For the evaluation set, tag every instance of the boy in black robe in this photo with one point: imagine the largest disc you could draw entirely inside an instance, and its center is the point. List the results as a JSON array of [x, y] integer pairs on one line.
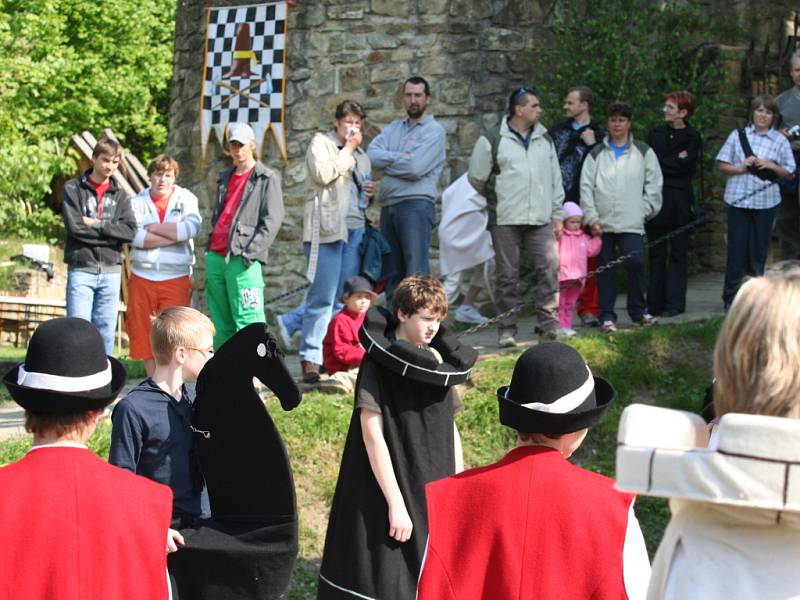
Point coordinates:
[[402, 436]]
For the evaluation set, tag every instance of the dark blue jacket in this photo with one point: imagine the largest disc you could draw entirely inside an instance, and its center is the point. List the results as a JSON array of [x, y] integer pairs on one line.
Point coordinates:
[[151, 436]]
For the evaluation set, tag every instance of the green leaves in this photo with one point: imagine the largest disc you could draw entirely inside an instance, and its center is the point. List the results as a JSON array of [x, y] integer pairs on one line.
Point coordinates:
[[69, 66], [636, 51]]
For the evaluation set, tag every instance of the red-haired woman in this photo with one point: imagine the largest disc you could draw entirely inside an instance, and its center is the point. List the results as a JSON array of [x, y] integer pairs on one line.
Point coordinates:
[[677, 146]]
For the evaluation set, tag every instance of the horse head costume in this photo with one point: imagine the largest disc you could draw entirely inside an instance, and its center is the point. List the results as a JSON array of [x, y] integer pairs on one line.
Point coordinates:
[[248, 547]]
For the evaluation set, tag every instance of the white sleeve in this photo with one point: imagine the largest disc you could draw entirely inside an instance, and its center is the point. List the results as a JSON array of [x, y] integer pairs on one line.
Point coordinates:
[[635, 562]]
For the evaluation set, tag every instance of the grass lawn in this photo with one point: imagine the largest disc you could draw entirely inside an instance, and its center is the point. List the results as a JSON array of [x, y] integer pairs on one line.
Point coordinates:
[[665, 365]]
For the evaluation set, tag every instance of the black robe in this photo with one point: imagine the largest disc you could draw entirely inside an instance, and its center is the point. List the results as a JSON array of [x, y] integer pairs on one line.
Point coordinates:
[[359, 555]]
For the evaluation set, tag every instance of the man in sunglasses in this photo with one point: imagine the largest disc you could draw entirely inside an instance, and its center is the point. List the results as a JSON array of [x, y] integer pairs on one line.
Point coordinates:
[[517, 169], [151, 433]]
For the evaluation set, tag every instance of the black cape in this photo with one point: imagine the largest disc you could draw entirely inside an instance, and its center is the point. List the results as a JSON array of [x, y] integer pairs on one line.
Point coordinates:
[[248, 547], [359, 555]]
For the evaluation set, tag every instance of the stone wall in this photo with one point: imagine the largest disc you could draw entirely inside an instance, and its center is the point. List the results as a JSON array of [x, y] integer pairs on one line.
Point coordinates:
[[472, 52]]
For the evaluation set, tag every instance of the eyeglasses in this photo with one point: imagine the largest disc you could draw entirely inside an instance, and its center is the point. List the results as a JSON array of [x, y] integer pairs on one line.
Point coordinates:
[[203, 351]]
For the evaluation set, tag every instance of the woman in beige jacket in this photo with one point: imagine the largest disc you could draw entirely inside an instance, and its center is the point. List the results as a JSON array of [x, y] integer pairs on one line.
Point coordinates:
[[735, 527], [339, 188]]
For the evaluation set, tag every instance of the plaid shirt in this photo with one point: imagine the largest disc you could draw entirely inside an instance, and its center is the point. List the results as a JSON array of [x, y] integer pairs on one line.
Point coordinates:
[[771, 145]]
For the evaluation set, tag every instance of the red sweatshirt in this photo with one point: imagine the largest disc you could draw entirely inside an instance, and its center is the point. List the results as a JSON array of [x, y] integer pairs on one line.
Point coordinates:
[[341, 349]]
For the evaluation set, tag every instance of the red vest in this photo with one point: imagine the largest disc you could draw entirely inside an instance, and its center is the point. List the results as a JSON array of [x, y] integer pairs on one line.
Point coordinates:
[[529, 527], [73, 527]]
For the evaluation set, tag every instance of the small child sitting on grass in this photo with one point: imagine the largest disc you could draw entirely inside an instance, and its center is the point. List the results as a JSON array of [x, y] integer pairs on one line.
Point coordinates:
[[341, 349], [151, 431]]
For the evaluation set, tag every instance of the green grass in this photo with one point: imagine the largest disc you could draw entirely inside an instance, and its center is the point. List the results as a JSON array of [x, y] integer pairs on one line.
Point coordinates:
[[665, 365]]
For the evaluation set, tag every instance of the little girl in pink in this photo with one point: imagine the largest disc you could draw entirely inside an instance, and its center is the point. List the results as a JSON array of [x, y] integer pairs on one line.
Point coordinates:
[[574, 248]]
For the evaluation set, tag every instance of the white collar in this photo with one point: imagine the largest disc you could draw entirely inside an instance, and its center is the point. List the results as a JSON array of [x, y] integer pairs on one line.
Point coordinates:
[[59, 445]]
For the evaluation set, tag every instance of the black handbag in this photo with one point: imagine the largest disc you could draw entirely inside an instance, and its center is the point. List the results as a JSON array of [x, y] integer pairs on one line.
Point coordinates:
[[765, 174]]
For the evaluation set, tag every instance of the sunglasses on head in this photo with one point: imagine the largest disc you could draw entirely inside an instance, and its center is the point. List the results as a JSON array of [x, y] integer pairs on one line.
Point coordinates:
[[522, 90]]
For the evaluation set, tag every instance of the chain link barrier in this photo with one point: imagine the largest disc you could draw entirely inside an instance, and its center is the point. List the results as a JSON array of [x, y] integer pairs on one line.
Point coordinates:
[[617, 261], [610, 265]]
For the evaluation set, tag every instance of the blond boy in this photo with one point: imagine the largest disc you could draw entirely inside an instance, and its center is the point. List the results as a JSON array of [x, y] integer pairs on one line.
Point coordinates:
[[151, 433]]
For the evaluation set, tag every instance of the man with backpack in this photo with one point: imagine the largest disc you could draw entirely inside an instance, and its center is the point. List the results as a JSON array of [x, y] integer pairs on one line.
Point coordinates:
[[516, 168]]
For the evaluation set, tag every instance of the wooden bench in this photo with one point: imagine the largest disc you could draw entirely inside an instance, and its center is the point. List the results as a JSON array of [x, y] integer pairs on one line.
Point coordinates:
[[21, 315]]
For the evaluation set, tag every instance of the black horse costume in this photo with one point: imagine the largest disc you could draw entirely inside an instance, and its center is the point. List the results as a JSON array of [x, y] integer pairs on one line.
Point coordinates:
[[248, 547], [360, 559]]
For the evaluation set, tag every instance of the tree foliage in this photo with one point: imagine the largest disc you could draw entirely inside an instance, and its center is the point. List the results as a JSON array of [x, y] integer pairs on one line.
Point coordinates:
[[69, 66], [636, 51]]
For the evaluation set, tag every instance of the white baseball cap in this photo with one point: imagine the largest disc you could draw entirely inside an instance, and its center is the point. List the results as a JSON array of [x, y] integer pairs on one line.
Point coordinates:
[[240, 132]]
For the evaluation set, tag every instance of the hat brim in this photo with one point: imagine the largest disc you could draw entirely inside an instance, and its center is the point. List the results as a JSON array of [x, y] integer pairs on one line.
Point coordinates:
[[528, 420], [55, 402], [241, 139]]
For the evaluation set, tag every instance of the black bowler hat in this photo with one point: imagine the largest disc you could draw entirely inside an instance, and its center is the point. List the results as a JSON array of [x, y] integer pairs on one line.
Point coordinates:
[[66, 370], [553, 391]]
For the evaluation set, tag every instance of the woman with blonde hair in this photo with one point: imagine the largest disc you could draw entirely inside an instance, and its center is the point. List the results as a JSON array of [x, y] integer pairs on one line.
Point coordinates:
[[735, 501]]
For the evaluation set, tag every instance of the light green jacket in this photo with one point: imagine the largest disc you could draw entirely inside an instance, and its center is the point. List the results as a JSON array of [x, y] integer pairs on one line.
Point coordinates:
[[528, 186], [621, 193]]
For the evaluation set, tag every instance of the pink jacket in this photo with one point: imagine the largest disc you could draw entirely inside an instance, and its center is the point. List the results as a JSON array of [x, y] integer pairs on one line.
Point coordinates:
[[574, 248]]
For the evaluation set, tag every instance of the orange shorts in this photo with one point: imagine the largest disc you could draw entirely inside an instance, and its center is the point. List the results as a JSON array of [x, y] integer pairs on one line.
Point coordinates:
[[145, 300]]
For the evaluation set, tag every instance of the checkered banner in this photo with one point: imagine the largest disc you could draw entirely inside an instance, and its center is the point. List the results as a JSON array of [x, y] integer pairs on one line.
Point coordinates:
[[244, 71]]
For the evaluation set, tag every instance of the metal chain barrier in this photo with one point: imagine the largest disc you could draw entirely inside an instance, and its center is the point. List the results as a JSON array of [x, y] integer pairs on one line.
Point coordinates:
[[617, 261], [610, 265], [288, 294]]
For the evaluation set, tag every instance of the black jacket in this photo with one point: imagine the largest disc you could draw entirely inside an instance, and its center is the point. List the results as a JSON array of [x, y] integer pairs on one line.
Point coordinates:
[[677, 151], [571, 153], [98, 245], [259, 216]]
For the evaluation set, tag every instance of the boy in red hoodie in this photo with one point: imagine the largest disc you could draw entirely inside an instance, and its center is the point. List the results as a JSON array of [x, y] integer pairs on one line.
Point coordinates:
[[341, 349]]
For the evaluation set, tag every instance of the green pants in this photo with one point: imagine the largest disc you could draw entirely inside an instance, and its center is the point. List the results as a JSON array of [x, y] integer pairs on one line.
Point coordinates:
[[234, 293]]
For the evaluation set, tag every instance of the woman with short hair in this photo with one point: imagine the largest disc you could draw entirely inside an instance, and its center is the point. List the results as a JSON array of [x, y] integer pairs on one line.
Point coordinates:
[[677, 146], [752, 158], [339, 189]]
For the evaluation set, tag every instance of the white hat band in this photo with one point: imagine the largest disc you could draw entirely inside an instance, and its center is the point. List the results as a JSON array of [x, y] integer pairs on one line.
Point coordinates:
[[46, 381], [567, 402]]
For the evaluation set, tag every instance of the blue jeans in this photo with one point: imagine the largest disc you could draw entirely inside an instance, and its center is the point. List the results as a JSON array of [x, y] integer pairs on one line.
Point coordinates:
[[749, 232], [338, 261], [408, 226], [94, 297], [634, 268]]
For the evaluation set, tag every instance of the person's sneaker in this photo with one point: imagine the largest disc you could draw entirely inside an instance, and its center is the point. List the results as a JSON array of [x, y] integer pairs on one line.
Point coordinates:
[[332, 386], [506, 340], [647, 320], [310, 371], [589, 320], [672, 312], [283, 334], [567, 332], [467, 313], [608, 327]]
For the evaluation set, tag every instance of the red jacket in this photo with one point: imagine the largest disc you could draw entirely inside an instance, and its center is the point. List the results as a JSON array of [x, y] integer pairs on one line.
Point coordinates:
[[73, 527], [341, 349], [531, 526]]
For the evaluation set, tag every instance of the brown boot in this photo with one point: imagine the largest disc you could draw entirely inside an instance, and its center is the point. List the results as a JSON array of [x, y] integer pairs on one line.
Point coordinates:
[[310, 371]]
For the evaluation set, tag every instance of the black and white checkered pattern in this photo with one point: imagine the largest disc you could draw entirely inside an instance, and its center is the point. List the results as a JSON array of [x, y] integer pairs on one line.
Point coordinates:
[[221, 105]]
